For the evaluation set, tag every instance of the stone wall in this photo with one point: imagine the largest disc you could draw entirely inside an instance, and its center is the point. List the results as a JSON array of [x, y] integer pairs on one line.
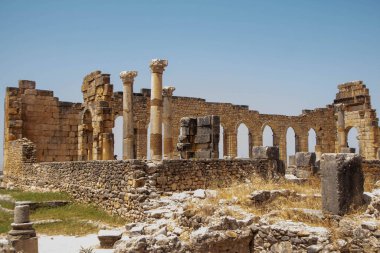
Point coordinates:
[[39, 116], [121, 187], [371, 170]]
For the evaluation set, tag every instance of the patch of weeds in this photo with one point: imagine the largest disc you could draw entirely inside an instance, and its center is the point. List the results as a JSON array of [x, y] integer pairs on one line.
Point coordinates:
[[66, 227], [79, 212], [7, 204], [86, 250], [5, 222]]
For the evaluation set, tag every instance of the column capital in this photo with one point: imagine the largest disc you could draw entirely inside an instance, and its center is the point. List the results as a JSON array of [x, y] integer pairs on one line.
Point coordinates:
[[158, 65], [168, 91], [128, 76]]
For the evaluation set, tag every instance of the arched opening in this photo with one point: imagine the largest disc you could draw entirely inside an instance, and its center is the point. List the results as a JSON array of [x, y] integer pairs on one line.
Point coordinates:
[[88, 138], [221, 142], [290, 142], [312, 140], [353, 139], [268, 136], [118, 138], [243, 141]]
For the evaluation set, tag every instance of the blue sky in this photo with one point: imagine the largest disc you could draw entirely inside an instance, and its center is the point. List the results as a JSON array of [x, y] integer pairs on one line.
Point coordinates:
[[275, 56]]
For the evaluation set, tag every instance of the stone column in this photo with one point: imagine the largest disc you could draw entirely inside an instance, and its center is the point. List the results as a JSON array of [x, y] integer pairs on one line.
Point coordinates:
[[342, 141], [107, 145], [23, 237], [157, 68], [167, 94], [128, 78]]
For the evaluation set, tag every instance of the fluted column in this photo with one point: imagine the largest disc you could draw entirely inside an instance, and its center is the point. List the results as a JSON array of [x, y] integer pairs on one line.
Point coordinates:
[[157, 68], [128, 78], [167, 94]]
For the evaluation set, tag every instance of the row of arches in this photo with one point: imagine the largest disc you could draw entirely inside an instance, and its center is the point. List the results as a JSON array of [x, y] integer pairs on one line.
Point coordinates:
[[243, 140]]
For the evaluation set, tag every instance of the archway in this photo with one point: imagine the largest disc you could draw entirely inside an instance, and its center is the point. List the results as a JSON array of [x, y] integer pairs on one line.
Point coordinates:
[[88, 138], [118, 138], [312, 140], [268, 136], [243, 141], [353, 139], [290, 142]]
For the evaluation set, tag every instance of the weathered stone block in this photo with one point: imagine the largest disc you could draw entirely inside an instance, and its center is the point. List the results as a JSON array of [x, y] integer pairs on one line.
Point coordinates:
[[261, 152], [107, 238], [204, 121], [203, 154], [342, 182], [205, 138], [204, 130], [305, 159]]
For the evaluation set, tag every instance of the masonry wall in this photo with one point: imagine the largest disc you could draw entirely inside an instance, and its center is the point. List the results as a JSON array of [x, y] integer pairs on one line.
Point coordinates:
[[39, 116], [322, 120], [121, 187]]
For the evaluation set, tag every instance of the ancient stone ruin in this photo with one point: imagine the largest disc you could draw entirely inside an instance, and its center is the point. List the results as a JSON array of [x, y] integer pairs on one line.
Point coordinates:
[[48, 143], [199, 137]]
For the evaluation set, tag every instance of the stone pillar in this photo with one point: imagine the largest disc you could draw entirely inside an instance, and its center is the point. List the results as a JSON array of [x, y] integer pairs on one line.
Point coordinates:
[[167, 94], [108, 144], [22, 237], [128, 78], [157, 68], [342, 182], [341, 128]]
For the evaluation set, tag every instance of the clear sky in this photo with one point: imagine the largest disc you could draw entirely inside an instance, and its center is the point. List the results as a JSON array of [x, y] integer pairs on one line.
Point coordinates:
[[275, 56]]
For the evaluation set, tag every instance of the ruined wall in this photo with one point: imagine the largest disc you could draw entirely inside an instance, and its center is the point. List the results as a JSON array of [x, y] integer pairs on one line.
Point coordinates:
[[355, 102], [39, 116], [66, 131], [322, 120], [121, 187]]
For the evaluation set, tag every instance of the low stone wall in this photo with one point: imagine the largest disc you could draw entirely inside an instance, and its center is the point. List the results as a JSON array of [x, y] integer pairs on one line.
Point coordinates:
[[121, 187], [173, 175]]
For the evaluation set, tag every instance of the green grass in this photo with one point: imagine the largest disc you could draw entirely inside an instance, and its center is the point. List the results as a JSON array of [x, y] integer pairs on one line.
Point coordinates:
[[5, 222], [67, 227], [19, 195], [7, 204], [78, 212], [73, 216]]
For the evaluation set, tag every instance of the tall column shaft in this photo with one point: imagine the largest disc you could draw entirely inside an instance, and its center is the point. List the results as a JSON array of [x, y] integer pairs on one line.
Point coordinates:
[[157, 68], [167, 119], [128, 127], [342, 141]]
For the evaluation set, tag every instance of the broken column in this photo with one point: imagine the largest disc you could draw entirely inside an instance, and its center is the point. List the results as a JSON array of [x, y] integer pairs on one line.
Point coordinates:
[[22, 237], [128, 78], [305, 164], [167, 94], [342, 182], [157, 68]]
